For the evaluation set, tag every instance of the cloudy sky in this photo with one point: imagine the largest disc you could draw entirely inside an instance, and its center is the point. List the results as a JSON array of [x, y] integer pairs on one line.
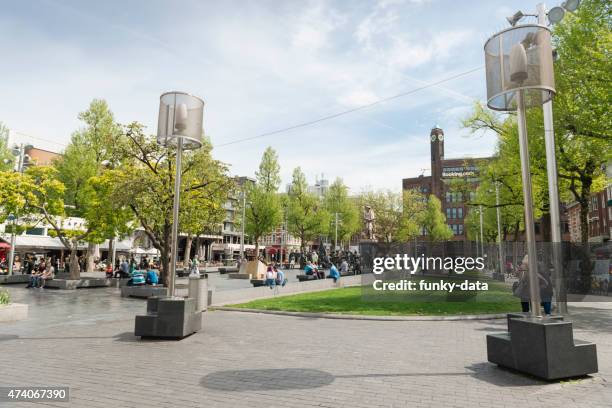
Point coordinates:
[[260, 66]]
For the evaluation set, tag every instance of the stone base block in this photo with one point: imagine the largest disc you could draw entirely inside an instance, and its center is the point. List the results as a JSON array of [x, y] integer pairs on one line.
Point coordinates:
[[542, 347], [239, 275], [228, 269], [168, 318], [78, 283], [143, 291], [13, 312], [257, 282], [10, 279]]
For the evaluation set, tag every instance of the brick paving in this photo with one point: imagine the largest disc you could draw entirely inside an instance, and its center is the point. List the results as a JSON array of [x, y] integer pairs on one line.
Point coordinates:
[[84, 340]]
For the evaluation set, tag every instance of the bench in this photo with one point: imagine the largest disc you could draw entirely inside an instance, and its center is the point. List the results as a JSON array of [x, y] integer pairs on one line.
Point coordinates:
[[77, 283], [143, 291], [258, 282], [305, 278], [10, 279], [542, 347], [228, 269]]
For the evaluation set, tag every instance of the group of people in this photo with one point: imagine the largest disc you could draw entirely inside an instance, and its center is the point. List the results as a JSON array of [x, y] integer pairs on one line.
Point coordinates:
[[312, 269], [128, 270], [41, 273], [275, 276]]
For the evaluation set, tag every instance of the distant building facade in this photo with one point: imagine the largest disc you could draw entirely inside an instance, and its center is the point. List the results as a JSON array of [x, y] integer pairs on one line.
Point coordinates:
[[454, 204]]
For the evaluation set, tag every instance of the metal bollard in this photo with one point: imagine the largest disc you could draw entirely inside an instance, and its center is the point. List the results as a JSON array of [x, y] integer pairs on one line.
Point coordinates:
[[198, 290]]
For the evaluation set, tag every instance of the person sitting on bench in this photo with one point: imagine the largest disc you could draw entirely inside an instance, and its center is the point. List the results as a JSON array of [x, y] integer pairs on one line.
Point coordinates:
[[270, 279], [152, 278], [123, 271], [309, 269], [333, 273], [280, 277]]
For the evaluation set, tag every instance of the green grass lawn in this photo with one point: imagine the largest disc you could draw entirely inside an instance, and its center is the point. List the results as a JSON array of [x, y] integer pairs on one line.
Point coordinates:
[[357, 300]]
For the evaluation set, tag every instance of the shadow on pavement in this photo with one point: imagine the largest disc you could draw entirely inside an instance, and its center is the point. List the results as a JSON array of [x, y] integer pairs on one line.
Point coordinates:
[[266, 379], [289, 379], [123, 337], [503, 377]]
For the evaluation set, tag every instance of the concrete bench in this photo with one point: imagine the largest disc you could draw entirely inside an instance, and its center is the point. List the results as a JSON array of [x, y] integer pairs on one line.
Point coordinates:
[[77, 283], [543, 347], [11, 279], [258, 282], [143, 291], [305, 278]]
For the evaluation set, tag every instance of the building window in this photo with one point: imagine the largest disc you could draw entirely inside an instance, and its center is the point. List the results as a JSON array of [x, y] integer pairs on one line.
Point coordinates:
[[454, 212], [460, 212], [448, 213], [448, 197], [460, 229]]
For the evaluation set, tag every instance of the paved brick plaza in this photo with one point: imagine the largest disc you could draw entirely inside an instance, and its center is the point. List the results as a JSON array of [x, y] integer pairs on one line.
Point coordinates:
[[84, 340]]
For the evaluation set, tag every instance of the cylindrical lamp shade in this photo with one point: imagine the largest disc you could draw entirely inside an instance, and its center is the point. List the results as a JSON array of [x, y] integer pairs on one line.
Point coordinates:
[[519, 58], [180, 115]]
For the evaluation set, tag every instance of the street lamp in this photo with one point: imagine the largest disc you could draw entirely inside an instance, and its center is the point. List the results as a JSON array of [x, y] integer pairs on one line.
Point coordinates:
[[519, 69], [554, 16], [179, 125]]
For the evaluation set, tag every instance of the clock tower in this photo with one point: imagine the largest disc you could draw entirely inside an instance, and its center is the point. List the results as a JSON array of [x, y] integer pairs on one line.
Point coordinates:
[[436, 138]]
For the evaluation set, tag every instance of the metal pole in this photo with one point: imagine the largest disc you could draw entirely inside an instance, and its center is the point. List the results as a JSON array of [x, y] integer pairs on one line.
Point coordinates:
[[242, 224], [499, 235], [114, 253], [553, 193], [175, 217], [534, 288], [13, 234], [286, 237], [336, 239], [481, 233]]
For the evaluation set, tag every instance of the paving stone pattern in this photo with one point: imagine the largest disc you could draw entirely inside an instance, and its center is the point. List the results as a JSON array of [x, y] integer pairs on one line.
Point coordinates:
[[85, 340]]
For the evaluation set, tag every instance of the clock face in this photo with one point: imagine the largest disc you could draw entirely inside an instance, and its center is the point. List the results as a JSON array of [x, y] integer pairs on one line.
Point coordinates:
[[440, 137], [433, 138]]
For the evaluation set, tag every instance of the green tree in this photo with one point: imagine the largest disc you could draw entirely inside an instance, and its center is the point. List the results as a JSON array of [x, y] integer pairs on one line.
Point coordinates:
[[306, 216], [398, 216], [144, 183], [263, 205], [434, 221], [89, 154], [337, 202], [583, 75], [268, 176]]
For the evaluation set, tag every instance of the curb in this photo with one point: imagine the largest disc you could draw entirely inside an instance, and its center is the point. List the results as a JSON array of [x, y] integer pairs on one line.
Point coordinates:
[[363, 317]]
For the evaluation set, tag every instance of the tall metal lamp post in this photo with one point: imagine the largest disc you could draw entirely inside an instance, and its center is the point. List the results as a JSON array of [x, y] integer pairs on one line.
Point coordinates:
[[544, 17], [179, 125], [519, 69]]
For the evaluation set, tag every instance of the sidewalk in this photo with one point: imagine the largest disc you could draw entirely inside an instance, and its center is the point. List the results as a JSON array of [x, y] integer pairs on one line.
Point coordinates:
[[85, 340]]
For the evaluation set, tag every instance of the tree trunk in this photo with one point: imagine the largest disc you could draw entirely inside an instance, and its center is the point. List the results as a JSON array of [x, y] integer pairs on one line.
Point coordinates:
[[165, 256], [546, 227], [188, 242], [109, 256], [90, 257], [75, 270], [517, 230], [198, 254]]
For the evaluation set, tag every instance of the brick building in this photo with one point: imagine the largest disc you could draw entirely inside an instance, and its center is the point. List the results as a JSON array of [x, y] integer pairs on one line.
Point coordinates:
[[599, 217], [444, 170]]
